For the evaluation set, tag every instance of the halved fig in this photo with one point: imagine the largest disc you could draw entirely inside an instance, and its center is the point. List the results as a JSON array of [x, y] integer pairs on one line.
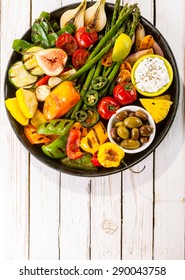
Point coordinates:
[[52, 61]]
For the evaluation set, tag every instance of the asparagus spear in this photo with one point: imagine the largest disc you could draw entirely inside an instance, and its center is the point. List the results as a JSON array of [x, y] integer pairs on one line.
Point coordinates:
[[100, 50], [135, 22], [83, 91], [115, 12], [95, 59], [109, 69], [98, 69], [122, 17], [111, 77]]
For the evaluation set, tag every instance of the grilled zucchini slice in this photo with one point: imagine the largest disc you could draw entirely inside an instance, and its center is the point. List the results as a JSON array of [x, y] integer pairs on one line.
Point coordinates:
[[30, 62], [20, 77]]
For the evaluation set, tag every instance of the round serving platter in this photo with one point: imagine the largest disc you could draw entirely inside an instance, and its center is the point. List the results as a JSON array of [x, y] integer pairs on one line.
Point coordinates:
[[161, 129]]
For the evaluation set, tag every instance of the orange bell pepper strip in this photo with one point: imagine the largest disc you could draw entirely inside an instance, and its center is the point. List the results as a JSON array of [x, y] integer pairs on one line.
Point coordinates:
[[60, 100], [34, 137]]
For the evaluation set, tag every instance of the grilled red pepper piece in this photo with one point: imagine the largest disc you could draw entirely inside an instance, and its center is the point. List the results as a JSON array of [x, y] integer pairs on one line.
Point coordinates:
[[42, 81], [94, 159], [73, 144]]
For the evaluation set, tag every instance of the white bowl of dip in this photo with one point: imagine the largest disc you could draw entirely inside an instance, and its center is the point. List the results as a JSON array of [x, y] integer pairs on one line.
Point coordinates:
[[152, 75]]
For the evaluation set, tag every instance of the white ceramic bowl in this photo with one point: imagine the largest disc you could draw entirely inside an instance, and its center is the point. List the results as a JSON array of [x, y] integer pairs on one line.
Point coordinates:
[[132, 108]]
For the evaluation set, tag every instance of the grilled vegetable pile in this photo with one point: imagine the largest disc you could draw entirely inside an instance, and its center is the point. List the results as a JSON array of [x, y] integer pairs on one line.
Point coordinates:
[[73, 75]]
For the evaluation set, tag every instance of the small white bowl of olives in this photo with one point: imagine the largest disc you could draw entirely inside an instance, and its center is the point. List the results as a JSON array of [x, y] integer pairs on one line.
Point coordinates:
[[132, 128]]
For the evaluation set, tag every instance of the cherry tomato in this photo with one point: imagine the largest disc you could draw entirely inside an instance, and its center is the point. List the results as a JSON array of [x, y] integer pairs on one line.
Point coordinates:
[[125, 93], [86, 37], [67, 42], [79, 58], [107, 107]]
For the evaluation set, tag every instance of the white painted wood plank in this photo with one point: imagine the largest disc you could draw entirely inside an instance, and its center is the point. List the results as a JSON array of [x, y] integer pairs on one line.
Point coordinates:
[[44, 212], [47, 6], [74, 213], [13, 157], [44, 188], [169, 230], [138, 212], [75, 218], [138, 194], [106, 217], [145, 6], [169, 174]]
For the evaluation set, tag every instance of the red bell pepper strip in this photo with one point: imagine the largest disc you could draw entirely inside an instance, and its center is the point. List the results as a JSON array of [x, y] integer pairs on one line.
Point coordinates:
[[94, 160], [73, 144], [42, 81], [34, 137]]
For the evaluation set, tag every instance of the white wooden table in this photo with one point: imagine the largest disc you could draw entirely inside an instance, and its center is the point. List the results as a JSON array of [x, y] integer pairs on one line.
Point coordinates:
[[49, 215]]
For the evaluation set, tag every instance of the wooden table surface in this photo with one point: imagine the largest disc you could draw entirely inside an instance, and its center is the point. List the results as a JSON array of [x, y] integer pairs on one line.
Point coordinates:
[[50, 215]]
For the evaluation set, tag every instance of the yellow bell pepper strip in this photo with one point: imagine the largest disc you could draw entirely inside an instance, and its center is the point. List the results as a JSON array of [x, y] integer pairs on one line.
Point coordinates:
[[38, 118], [27, 102], [33, 137], [14, 109], [110, 155], [60, 100], [78, 125], [83, 163], [94, 138], [73, 144]]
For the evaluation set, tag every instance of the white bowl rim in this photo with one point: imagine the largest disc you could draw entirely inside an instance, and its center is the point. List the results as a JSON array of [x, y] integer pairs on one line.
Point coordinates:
[[132, 108]]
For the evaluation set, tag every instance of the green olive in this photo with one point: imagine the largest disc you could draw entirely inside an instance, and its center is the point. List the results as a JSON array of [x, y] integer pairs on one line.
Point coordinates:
[[135, 133], [132, 122], [118, 124], [146, 130], [130, 144], [122, 115], [123, 132], [141, 115], [113, 132]]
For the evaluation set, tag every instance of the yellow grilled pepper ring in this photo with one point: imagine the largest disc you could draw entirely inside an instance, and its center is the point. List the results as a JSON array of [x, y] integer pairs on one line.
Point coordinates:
[[110, 155]]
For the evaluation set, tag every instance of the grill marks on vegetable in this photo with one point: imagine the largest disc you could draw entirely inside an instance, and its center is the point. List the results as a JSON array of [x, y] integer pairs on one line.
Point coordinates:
[[111, 155], [56, 124], [28, 59], [96, 138], [39, 138]]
